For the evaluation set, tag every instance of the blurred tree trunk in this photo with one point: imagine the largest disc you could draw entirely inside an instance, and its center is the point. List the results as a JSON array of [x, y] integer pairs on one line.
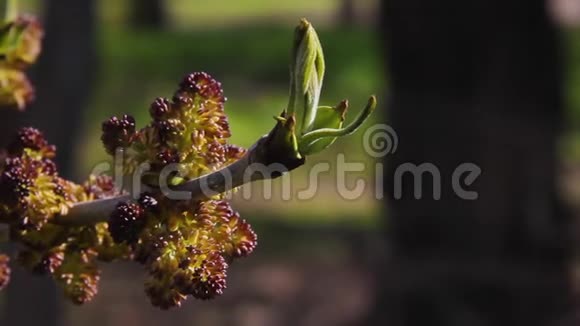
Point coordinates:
[[347, 12], [63, 79], [148, 14], [475, 81]]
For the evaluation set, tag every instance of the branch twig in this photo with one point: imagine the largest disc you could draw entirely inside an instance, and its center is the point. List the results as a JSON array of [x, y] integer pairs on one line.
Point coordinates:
[[266, 159]]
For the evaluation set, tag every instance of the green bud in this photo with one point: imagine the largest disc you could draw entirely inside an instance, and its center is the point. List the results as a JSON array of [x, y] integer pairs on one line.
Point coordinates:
[[319, 127], [306, 74], [284, 136]]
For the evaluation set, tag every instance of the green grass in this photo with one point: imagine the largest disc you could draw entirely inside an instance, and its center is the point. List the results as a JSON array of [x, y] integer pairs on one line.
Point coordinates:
[[231, 12], [187, 13]]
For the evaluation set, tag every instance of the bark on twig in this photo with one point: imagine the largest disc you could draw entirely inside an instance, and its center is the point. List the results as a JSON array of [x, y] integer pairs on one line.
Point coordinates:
[[266, 159]]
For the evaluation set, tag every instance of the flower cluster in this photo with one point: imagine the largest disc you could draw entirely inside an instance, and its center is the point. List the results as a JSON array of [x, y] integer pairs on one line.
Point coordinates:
[[21, 44], [186, 246], [31, 194], [191, 130]]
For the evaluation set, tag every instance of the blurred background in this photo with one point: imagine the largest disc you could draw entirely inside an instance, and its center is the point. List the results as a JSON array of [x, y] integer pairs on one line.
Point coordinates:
[[319, 260]]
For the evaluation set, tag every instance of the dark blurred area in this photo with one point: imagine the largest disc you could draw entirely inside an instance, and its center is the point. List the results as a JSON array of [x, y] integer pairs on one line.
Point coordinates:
[[493, 83], [489, 92]]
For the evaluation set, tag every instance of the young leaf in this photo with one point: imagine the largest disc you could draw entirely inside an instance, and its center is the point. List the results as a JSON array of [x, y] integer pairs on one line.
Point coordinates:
[[326, 117]]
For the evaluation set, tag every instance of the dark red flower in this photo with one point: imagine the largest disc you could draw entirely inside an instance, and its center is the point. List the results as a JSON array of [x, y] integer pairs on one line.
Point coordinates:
[[33, 139], [160, 108], [118, 133], [126, 222]]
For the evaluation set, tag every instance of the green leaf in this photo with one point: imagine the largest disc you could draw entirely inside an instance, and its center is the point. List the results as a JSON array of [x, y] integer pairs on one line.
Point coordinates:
[[326, 117], [311, 137]]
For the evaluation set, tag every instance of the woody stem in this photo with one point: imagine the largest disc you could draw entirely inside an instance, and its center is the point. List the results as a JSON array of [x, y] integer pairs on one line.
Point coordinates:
[[266, 159]]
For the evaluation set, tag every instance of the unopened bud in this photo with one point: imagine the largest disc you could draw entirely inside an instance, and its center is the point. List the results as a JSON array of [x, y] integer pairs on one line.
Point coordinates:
[[307, 74]]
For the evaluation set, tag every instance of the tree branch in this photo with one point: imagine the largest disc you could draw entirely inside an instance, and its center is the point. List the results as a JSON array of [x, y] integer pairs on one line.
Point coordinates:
[[268, 158]]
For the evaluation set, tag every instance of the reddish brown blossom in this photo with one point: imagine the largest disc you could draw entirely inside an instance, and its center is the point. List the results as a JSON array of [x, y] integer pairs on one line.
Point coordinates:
[[4, 271]]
